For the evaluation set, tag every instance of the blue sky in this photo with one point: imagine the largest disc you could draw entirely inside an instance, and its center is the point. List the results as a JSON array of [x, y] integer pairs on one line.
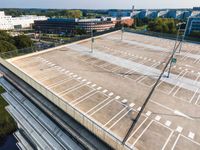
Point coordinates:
[[99, 4]]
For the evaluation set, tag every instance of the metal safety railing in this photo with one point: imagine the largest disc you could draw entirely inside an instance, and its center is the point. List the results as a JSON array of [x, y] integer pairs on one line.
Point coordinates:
[[20, 52], [162, 35]]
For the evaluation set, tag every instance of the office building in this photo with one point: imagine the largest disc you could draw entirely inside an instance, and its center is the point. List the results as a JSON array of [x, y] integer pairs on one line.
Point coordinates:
[[69, 26], [193, 25], [10, 23]]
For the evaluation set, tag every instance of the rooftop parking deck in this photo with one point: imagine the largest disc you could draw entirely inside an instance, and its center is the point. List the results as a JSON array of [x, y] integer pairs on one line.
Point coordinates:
[[110, 85]]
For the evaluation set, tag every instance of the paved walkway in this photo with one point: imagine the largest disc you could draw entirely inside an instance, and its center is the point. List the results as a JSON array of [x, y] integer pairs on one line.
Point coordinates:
[[140, 68]]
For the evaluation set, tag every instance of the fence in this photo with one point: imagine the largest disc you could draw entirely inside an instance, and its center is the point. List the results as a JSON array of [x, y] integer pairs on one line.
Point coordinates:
[[20, 52], [163, 35]]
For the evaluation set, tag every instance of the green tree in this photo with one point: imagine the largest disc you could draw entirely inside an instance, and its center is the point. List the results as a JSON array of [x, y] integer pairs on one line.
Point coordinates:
[[71, 13], [80, 31], [162, 25], [165, 28], [6, 46], [171, 26], [22, 41], [4, 36]]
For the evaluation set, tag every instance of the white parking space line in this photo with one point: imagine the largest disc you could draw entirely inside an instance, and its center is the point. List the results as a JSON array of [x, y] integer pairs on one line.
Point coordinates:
[[191, 135], [119, 119], [86, 97], [88, 93], [131, 105], [96, 107], [93, 85], [176, 142], [196, 80], [99, 88], [193, 95], [79, 78], [148, 113], [179, 84], [88, 83], [141, 134], [157, 118], [167, 141], [168, 123], [137, 128], [71, 88], [197, 100], [58, 83], [84, 80], [104, 91], [117, 97], [139, 108], [143, 77], [179, 129], [180, 135], [110, 94]]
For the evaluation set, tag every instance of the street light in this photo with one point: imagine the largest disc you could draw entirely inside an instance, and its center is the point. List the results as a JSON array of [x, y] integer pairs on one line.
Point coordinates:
[[183, 38], [173, 60], [122, 35], [92, 41], [177, 37]]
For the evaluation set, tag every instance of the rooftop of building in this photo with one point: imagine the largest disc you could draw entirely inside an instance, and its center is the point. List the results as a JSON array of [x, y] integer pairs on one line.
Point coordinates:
[[110, 85]]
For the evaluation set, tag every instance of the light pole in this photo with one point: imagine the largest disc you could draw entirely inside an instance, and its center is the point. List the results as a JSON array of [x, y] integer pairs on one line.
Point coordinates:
[[183, 38], [178, 33], [122, 30], [173, 60], [92, 42]]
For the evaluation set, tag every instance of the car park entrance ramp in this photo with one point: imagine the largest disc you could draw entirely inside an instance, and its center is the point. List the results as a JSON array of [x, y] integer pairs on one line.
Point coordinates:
[[104, 89]]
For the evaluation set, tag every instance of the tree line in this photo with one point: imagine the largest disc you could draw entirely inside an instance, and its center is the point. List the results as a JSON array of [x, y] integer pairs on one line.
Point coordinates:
[[70, 13], [9, 43], [163, 25], [44, 12]]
